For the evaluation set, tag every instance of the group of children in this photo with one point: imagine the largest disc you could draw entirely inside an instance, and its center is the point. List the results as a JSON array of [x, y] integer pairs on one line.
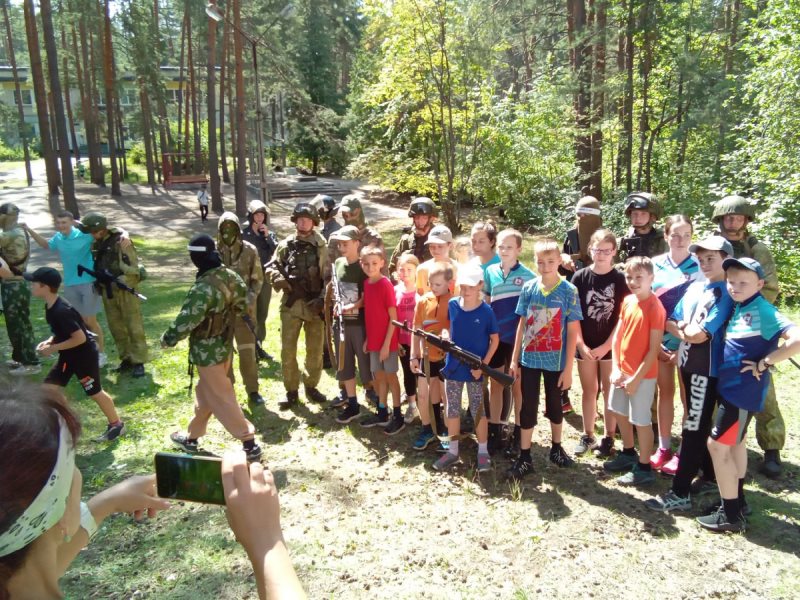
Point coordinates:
[[627, 325]]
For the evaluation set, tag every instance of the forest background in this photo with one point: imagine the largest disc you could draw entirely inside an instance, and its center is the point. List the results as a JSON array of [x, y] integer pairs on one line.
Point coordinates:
[[519, 104]]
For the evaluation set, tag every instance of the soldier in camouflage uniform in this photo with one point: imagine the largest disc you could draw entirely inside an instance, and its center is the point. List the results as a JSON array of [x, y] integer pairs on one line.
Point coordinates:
[[326, 206], [643, 238], [217, 298], [298, 272], [423, 212], [242, 257], [732, 214], [15, 249], [122, 309], [327, 209]]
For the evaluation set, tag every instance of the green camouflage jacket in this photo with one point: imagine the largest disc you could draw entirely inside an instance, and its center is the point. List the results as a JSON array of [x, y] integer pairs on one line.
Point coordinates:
[[15, 248], [750, 247], [218, 292]]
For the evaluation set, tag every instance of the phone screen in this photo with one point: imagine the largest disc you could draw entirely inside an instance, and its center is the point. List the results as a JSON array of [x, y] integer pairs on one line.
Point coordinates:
[[188, 477]]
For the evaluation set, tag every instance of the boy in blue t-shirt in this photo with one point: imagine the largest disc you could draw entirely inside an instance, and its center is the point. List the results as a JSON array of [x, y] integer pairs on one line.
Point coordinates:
[[750, 350], [544, 348], [473, 327], [502, 285]]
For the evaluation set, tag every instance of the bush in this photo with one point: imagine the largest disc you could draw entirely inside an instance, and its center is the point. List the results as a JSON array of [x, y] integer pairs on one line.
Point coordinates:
[[11, 152], [136, 153]]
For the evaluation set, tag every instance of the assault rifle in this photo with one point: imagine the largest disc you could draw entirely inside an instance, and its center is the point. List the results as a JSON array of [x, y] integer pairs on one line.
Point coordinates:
[[473, 361], [294, 292], [337, 303], [107, 279]]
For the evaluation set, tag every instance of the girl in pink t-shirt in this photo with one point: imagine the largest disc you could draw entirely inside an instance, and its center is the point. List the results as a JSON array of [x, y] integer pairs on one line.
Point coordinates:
[[406, 293]]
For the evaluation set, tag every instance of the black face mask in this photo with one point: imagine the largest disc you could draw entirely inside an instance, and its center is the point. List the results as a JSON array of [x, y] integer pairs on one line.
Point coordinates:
[[205, 260]]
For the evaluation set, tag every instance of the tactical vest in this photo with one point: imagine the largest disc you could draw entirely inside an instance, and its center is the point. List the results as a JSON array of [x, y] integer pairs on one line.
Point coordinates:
[[219, 324], [640, 245], [302, 265], [106, 255]]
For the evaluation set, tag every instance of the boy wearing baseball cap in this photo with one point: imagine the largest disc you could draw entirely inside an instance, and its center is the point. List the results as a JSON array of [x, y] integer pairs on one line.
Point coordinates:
[[77, 353], [439, 243], [750, 350]]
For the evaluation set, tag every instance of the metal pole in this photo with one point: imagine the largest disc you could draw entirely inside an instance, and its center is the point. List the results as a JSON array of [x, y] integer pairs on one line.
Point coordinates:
[[259, 132]]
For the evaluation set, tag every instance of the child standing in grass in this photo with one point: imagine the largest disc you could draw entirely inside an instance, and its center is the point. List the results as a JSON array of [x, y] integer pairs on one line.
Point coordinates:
[[380, 309], [634, 368], [473, 327], [544, 348], [601, 289], [406, 295], [750, 350], [431, 314]]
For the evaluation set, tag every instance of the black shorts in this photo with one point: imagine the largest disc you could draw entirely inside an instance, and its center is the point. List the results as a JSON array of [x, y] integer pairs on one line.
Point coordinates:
[[501, 359], [436, 367], [81, 362], [730, 425]]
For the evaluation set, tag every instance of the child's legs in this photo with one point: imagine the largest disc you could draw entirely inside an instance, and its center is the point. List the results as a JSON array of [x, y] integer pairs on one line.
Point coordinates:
[[94, 326], [390, 367], [552, 398], [379, 381], [725, 467], [475, 398], [106, 404], [609, 416], [666, 398], [587, 372], [409, 378], [727, 447], [516, 392], [350, 387], [640, 416], [619, 403], [453, 391], [531, 382], [423, 400], [696, 427], [495, 401], [393, 385]]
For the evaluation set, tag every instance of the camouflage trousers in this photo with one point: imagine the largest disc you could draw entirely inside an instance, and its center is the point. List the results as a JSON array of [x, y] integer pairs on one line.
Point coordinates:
[[770, 428], [246, 348], [124, 315], [292, 321], [16, 295], [262, 310]]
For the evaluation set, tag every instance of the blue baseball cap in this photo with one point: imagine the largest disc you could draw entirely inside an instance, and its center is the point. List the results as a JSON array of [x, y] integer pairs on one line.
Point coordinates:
[[744, 263]]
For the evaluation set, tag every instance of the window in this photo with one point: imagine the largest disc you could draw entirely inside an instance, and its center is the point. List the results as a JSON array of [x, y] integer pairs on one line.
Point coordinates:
[[27, 97], [129, 97], [175, 95]]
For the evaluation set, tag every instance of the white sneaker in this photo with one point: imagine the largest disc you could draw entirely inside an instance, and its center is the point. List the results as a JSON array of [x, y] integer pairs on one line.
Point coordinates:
[[26, 370], [412, 413], [102, 360]]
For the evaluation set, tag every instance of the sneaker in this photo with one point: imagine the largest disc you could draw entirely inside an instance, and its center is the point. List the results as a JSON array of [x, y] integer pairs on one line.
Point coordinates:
[[102, 359], [412, 413], [253, 454], [605, 449], [445, 461], [443, 446], [292, 398], [484, 463], [701, 486], [182, 442], [660, 458], [424, 439], [111, 433], [338, 401], [560, 458], [137, 370], [621, 462], [348, 414], [519, 469], [125, 365], [672, 465], [395, 426], [25, 370], [587, 443], [637, 476], [13, 364], [314, 395], [376, 421], [718, 521], [709, 509], [669, 501], [256, 398]]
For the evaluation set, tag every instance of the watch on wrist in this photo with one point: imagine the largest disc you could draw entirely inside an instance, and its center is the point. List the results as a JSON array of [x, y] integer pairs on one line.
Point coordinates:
[[87, 520]]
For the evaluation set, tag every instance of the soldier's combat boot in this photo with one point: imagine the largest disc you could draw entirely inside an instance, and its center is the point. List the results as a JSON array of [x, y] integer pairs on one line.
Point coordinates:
[[314, 395], [772, 466], [137, 370], [256, 398], [124, 366], [290, 401]]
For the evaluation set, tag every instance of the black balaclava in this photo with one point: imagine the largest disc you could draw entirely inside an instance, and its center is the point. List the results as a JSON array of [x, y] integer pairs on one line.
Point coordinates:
[[203, 253]]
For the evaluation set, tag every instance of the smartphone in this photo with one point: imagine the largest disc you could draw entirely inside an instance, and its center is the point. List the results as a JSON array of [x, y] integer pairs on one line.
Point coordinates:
[[189, 477]]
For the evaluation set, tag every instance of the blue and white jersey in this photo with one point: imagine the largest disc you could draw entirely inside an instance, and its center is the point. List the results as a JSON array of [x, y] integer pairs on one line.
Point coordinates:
[[670, 282], [502, 292], [708, 305]]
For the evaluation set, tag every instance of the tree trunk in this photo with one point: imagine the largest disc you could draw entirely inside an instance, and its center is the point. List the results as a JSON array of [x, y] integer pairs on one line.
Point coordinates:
[[581, 52], [23, 132], [181, 88], [91, 114], [193, 96], [223, 81], [598, 98], [240, 176], [68, 95], [108, 76], [627, 103], [147, 133], [211, 108], [645, 67]]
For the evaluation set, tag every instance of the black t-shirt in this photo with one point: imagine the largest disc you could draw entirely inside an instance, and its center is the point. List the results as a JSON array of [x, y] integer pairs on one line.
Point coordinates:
[[64, 320], [601, 300]]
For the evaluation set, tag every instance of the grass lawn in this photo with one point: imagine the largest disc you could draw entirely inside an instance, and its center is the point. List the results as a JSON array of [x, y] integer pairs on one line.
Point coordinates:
[[365, 517]]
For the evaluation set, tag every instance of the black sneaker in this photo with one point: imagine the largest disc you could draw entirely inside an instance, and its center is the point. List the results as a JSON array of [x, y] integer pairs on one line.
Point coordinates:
[[256, 398], [137, 370], [314, 395], [371, 397], [338, 401], [125, 365], [512, 449], [376, 421], [348, 414], [253, 454], [718, 521], [182, 441], [292, 398], [112, 432], [560, 458], [395, 426], [519, 469], [605, 449], [710, 509]]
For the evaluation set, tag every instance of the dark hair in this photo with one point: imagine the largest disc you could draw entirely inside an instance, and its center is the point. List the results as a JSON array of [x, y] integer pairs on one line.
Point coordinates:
[[29, 433], [489, 228], [64, 214], [674, 220]]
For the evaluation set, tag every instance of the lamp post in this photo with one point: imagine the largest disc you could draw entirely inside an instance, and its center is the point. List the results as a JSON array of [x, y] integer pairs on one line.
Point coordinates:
[[214, 13]]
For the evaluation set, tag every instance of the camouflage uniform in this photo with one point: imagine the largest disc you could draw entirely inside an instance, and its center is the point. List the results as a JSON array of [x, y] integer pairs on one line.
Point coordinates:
[[413, 243], [123, 310], [242, 257], [650, 244], [15, 248]]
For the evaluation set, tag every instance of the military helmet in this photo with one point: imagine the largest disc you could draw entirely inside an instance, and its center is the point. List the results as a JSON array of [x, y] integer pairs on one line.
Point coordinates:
[[422, 205], [642, 201], [258, 206], [305, 209], [325, 205], [94, 222], [733, 205]]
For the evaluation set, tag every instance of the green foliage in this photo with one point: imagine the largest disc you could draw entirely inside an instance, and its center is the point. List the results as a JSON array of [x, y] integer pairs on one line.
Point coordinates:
[[11, 152]]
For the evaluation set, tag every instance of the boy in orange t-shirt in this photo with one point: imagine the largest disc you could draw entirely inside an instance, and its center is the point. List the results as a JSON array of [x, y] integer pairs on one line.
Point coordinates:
[[634, 370]]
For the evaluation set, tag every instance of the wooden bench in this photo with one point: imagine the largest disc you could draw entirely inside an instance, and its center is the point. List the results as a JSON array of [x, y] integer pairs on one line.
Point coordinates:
[[196, 178]]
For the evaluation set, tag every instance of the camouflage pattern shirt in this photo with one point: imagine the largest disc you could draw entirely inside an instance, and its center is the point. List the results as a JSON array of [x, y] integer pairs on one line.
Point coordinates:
[[218, 291], [15, 247], [750, 247]]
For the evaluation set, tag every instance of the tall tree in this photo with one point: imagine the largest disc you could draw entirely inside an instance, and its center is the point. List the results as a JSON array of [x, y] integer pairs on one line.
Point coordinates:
[[213, 163], [240, 176], [109, 78], [23, 128]]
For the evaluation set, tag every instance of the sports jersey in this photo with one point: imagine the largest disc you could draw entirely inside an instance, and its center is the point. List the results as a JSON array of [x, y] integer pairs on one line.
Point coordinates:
[[469, 330], [495, 260], [670, 282], [752, 332], [503, 292], [546, 314], [708, 305]]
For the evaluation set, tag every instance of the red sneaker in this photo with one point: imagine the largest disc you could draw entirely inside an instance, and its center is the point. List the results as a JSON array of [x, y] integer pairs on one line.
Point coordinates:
[[671, 467], [660, 458]]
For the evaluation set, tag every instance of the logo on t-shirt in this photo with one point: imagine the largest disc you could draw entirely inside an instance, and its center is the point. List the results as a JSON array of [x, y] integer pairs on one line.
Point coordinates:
[[748, 319], [518, 281], [600, 303], [543, 333]]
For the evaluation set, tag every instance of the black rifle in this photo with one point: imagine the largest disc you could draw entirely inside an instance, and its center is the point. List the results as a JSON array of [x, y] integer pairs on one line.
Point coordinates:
[[294, 292], [261, 354], [473, 361], [107, 279]]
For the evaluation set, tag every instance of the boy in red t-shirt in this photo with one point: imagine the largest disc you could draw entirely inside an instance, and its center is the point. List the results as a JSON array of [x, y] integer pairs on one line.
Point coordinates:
[[634, 351], [380, 308]]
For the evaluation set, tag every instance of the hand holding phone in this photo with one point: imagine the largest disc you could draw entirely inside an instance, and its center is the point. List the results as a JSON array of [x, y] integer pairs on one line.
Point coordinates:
[[190, 477]]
